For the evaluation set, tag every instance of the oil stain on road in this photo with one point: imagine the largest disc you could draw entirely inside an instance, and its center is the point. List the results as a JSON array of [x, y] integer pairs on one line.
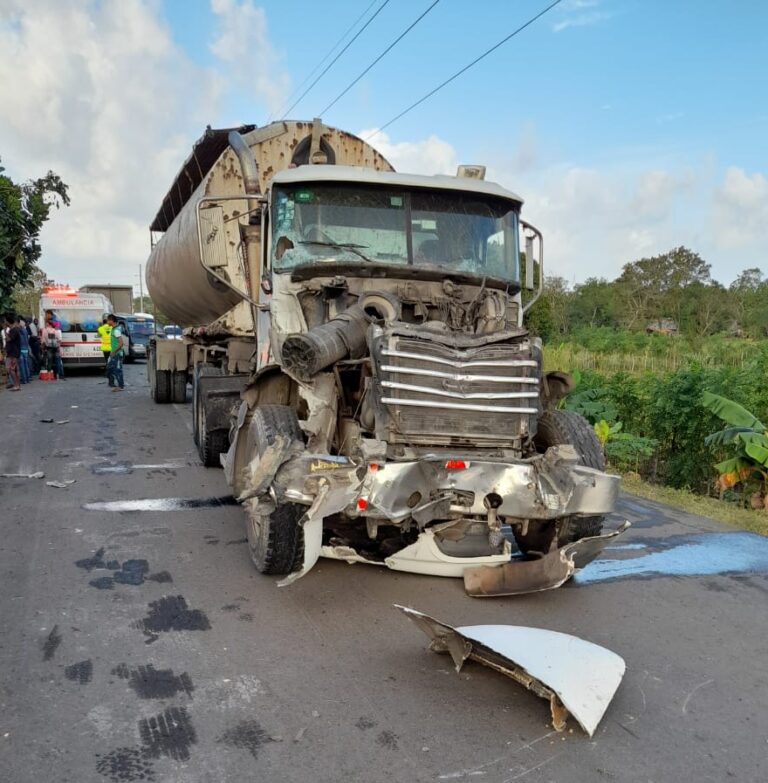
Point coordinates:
[[171, 613]]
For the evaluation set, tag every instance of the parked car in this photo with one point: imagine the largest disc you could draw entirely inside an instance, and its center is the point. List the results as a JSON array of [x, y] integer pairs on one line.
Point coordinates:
[[138, 328], [173, 332]]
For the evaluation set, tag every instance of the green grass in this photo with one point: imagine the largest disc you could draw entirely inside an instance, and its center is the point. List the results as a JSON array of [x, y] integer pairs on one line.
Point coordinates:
[[727, 513]]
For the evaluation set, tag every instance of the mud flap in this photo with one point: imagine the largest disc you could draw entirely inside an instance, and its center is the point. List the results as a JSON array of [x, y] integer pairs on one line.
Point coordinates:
[[576, 677], [532, 576]]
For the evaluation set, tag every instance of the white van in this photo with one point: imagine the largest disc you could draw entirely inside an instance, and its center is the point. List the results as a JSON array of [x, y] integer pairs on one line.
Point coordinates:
[[80, 316]]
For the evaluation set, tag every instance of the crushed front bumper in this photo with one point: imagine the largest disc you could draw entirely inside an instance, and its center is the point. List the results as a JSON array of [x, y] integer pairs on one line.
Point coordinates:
[[546, 487]]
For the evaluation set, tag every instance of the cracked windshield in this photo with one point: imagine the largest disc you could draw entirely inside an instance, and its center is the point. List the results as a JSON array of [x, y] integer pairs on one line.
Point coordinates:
[[446, 230]]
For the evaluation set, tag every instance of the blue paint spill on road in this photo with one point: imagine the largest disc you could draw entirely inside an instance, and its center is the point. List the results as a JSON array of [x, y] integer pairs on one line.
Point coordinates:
[[626, 546], [699, 555]]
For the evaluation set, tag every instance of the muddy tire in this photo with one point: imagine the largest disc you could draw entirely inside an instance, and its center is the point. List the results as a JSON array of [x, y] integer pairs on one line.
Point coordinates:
[[558, 428], [211, 444], [179, 386], [201, 370], [162, 386], [276, 540]]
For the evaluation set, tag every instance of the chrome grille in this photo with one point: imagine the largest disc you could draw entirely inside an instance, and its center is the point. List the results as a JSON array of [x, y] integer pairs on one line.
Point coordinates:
[[438, 395]]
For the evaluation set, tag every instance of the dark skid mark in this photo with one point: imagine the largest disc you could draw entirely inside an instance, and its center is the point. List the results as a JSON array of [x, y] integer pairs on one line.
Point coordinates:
[[237, 541], [387, 739], [132, 572], [160, 577], [364, 723], [246, 735], [168, 734], [245, 617], [51, 643], [80, 672], [125, 764], [172, 614], [230, 607], [160, 504], [94, 561], [150, 683], [102, 583]]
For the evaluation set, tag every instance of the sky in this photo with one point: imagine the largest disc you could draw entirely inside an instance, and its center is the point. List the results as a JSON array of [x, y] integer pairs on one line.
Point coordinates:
[[629, 127]]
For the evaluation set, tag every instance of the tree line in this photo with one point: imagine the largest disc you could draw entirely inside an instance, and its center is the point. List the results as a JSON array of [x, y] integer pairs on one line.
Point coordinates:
[[672, 292]]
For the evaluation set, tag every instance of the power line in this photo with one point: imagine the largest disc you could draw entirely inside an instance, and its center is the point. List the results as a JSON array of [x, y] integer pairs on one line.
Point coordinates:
[[331, 51], [464, 69], [332, 62], [386, 51]]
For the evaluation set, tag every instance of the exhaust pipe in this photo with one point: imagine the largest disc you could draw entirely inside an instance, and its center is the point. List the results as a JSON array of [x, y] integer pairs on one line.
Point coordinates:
[[247, 163]]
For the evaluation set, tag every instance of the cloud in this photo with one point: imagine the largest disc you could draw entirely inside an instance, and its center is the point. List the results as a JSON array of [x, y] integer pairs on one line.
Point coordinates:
[[241, 41], [580, 13], [741, 210], [432, 155], [100, 93]]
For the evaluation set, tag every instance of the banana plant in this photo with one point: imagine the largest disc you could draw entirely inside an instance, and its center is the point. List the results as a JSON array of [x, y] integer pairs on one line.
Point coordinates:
[[744, 431]]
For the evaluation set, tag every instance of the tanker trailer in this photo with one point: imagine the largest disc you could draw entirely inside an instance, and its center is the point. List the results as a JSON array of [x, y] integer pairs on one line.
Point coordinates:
[[218, 303], [364, 373]]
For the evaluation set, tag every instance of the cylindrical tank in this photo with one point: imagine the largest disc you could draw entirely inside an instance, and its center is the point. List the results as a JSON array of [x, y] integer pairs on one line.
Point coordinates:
[[176, 280]]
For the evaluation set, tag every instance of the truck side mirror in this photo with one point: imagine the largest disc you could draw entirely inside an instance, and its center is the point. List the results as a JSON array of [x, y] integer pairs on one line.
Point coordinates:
[[213, 245], [529, 283]]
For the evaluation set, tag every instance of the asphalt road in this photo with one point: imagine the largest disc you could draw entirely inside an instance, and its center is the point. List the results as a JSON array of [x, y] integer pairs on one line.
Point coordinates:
[[142, 645]]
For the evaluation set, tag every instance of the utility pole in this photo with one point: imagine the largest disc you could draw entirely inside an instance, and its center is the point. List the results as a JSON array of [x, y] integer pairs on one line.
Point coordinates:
[[141, 291]]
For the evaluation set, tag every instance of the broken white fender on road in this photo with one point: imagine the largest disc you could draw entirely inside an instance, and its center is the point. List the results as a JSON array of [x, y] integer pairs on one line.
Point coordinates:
[[575, 676]]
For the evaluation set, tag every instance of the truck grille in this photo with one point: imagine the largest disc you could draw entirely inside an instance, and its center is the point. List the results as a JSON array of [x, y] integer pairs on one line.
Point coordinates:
[[434, 394]]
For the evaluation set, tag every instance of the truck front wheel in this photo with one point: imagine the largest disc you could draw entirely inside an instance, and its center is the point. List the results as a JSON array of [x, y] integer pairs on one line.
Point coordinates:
[[275, 539], [558, 428]]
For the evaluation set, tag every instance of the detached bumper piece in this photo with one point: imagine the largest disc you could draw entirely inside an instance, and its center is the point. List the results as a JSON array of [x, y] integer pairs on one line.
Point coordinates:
[[576, 677], [533, 576]]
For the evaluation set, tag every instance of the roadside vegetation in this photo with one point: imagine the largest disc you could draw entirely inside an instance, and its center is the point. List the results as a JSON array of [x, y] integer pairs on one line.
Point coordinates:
[[670, 368]]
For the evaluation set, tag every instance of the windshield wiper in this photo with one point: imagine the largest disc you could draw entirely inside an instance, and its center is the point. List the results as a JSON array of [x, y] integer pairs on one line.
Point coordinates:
[[351, 246]]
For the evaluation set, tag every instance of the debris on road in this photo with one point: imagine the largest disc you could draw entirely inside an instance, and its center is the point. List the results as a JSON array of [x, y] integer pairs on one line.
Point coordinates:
[[46, 421], [575, 676], [37, 475], [60, 484], [544, 573]]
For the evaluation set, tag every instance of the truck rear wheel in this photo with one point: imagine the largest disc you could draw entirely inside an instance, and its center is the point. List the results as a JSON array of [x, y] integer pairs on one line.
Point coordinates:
[[179, 386], [201, 370], [558, 428], [162, 386], [159, 380], [276, 540], [211, 443]]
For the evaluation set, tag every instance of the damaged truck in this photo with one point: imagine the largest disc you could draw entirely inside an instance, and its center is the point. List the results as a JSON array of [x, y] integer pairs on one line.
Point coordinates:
[[360, 366]]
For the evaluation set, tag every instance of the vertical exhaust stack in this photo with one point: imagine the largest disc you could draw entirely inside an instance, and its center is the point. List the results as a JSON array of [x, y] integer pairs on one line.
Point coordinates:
[[247, 163]]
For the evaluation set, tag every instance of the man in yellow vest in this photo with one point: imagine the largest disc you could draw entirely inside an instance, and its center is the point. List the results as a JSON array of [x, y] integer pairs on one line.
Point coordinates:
[[105, 332]]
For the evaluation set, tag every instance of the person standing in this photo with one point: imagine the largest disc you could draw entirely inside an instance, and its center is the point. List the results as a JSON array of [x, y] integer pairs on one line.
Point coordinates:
[[21, 325], [115, 363], [34, 344], [106, 343], [12, 353], [51, 339]]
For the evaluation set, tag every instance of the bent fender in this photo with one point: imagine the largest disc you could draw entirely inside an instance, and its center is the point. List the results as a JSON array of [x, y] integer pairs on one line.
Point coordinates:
[[576, 677]]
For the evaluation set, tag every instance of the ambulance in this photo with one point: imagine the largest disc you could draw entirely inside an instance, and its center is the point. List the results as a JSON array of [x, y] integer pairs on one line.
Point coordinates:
[[80, 315]]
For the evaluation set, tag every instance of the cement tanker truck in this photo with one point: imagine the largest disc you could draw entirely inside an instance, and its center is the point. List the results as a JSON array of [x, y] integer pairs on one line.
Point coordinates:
[[360, 366]]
